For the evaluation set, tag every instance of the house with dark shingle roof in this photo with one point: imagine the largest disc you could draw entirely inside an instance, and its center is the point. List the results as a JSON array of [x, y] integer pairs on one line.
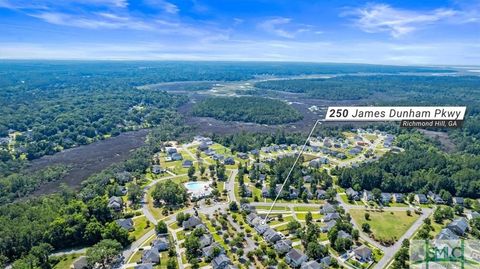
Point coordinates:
[[446, 234], [327, 208], [421, 198], [328, 226], [115, 203], [352, 194], [205, 240], [220, 262], [283, 246], [295, 258], [459, 226], [161, 243], [151, 256], [126, 224], [311, 265], [363, 253], [209, 250], [191, 222]]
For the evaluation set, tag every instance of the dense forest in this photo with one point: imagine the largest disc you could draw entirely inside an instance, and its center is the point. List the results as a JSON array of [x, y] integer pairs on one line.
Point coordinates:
[[399, 89], [247, 109], [74, 219], [422, 167]]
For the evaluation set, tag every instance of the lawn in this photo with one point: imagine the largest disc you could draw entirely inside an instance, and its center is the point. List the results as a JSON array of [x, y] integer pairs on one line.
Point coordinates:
[[141, 228], [280, 208], [315, 216], [66, 261], [306, 209], [385, 225]]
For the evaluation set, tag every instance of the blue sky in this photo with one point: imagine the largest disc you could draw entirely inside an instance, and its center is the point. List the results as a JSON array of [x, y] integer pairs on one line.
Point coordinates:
[[387, 32]]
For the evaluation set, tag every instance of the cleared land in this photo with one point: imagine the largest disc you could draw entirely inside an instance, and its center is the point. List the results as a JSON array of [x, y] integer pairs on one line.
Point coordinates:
[[387, 225]]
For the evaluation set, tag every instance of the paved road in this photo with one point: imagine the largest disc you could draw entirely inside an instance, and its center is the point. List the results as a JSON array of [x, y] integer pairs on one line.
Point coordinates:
[[230, 186]]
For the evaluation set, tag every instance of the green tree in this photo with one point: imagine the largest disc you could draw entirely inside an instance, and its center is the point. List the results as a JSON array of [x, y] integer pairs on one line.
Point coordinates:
[[103, 253], [161, 227]]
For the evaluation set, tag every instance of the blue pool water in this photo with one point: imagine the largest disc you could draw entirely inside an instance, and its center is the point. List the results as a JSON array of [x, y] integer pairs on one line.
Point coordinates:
[[194, 186]]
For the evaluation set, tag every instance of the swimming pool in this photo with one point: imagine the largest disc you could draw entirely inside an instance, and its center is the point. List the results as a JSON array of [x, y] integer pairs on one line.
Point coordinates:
[[198, 189], [195, 185]]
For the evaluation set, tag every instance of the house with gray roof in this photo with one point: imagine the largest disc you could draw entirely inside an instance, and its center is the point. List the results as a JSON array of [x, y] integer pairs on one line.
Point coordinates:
[[295, 258], [283, 246], [311, 265], [420, 198], [115, 203], [209, 250], [161, 243], [327, 208], [331, 216], [352, 194], [126, 224], [271, 236], [191, 222], [459, 226], [220, 262], [205, 240], [446, 234], [151, 256], [363, 254], [328, 226]]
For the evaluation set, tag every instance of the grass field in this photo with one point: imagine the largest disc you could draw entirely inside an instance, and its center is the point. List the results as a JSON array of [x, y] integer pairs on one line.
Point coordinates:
[[385, 225], [66, 261], [141, 228]]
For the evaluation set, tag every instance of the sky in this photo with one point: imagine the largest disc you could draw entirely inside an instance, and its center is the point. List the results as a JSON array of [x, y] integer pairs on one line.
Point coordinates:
[[403, 32]]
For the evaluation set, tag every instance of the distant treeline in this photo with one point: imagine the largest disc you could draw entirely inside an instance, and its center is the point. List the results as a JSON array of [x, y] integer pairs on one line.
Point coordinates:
[[422, 167], [396, 89], [247, 109]]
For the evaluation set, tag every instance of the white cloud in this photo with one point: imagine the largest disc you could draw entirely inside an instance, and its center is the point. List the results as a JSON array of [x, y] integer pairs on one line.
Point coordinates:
[[274, 26], [448, 53], [99, 20], [397, 22]]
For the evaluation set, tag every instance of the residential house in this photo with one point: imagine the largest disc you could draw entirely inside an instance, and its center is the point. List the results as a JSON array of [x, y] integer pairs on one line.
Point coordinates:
[[115, 203], [203, 146], [352, 194], [209, 250], [242, 155], [293, 193], [80, 263], [398, 197], [161, 243], [250, 217], [271, 236], [295, 258], [261, 228], [187, 164], [157, 169], [311, 265], [473, 215], [283, 246], [144, 266], [321, 194], [344, 235], [326, 261], [458, 200], [170, 150], [327, 208], [328, 226], [363, 253], [420, 198], [314, 163], [385, 198], [151, 256], [126, 224], [229, 161], [331, 216], [205, 240], [191, 222], [265, 191], [220, 262], [446, 234], [459, 226], [367, 196], [176, 157]]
